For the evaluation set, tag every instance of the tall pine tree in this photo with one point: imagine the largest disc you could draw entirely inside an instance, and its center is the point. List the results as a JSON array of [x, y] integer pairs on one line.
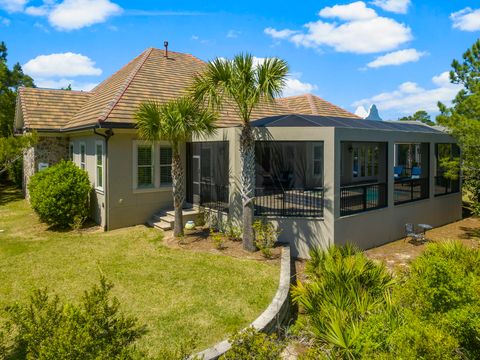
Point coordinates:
[[10, 81], [463, 119]]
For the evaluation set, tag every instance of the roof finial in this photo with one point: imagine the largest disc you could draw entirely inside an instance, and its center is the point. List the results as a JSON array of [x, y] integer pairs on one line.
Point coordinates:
[[165, 43]]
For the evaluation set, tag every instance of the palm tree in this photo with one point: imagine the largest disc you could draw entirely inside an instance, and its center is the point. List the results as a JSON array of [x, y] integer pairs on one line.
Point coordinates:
[[245, 85], [176, 121]]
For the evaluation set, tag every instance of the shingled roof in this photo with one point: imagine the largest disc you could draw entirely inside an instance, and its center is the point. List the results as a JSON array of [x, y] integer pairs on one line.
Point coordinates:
[[150, 76], [48, 109]]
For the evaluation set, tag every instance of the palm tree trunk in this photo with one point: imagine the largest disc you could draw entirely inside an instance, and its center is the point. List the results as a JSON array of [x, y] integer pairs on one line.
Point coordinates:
[[178, 191], [247, 155]]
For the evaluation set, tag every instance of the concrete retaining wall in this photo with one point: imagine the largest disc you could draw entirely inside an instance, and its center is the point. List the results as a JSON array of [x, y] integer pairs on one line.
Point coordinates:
[[276, 314]]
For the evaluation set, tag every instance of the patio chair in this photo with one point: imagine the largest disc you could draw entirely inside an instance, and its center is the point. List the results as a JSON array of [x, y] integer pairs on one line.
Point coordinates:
[[397, 171], [413, 234], [416, 172]]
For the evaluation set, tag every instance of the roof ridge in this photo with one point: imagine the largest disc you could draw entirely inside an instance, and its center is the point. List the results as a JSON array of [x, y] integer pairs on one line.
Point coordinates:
[[57, 90], [22, 103], [116, 98], [312, 104]]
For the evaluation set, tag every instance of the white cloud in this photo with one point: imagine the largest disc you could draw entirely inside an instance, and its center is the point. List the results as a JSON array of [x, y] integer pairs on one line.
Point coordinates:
[[293, 86], [63, 64], [5, 21], [233, 34], [354, 11], [279, 34], [76, 14], [467, 19], [397, 58], [63, 83], [359, 33], [13, 5], [395, 6], [410, 97], [361, 112], [37, 10]]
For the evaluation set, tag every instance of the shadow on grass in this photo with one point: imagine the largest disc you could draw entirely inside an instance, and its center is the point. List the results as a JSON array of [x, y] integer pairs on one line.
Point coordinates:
[[9, 193], [88, 226], [470, 233]]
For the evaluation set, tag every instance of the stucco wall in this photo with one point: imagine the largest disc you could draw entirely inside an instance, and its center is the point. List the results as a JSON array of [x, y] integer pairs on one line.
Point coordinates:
[[98, 196], [377, 227], [127, 205]]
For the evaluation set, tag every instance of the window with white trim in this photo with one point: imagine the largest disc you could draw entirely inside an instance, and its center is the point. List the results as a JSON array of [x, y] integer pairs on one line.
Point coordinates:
[[165, 165], [70, 151], [83, 155], [145, 166], [99, 165]]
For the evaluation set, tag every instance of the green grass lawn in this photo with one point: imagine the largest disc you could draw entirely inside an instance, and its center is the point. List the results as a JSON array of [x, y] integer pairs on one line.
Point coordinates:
[[177, 294]]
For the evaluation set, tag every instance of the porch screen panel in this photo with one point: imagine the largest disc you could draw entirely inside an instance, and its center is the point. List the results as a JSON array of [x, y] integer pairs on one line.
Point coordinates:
[[289, 178], [208, 171]]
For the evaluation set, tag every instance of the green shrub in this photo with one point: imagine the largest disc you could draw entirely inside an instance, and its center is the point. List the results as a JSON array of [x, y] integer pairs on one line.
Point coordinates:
[[251, 344], [233, 232], [60, 194], [45, 328], [342, 287], [265, 236], [218, 240], [353, 309]]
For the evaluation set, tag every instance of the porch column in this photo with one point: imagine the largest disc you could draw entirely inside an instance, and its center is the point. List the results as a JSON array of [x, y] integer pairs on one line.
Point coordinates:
[[390, 177], [432, 170]]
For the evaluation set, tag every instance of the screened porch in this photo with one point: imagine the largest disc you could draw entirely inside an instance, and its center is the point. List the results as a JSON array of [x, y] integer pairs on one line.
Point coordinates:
[[289, 178], [363, 176]]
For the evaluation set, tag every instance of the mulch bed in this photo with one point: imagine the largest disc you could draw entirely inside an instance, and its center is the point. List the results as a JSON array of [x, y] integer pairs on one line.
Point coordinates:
[[200, 240]]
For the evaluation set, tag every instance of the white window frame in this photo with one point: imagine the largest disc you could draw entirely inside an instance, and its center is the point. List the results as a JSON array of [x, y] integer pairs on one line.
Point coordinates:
[[136, 144], [160, 146], [82, 165], [156, 167], [367, 161], [97, 185]]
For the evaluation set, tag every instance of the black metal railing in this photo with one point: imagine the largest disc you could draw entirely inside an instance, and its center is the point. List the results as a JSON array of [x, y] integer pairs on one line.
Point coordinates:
[[214, 196], [407, 190], [359, 198], [289, 203], [444, 186]]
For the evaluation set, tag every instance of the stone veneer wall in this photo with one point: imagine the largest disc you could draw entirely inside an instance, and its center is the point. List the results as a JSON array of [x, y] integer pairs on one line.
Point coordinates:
[[48, 150]]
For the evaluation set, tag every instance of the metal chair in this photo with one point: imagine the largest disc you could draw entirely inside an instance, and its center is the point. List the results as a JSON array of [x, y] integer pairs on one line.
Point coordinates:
[[412, 233]]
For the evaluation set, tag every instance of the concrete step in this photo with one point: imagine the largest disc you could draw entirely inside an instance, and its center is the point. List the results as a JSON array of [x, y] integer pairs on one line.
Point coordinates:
[[160, 225], [165, 220]]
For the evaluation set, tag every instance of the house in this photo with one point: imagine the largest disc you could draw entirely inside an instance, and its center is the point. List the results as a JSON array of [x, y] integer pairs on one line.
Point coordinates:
[[323, 175]]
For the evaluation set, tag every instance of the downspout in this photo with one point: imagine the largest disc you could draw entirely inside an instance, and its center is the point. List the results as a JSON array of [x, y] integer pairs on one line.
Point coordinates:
[[108, 134]]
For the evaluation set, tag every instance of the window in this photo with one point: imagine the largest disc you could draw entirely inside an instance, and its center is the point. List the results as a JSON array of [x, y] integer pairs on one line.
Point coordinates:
[[145, 178], [317, 160], [83, 158], [364, 160], [70, 151], [99, 165], [165, 165]]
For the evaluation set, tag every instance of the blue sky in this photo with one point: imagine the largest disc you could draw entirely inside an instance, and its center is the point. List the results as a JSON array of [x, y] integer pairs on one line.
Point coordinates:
[[393, 53]]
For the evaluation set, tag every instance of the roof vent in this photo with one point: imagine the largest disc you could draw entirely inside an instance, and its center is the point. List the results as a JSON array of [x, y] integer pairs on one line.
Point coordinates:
[[165, 43]]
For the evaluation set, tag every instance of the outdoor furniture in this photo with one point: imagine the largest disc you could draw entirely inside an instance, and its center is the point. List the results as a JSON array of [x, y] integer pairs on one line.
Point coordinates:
[[414, 233], [416, 172], [424, 228], [397, 171]]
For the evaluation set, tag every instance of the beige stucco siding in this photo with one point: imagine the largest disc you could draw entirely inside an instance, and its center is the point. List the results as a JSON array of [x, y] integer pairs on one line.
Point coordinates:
[[376, 227], [98, 195], [128, 205]]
